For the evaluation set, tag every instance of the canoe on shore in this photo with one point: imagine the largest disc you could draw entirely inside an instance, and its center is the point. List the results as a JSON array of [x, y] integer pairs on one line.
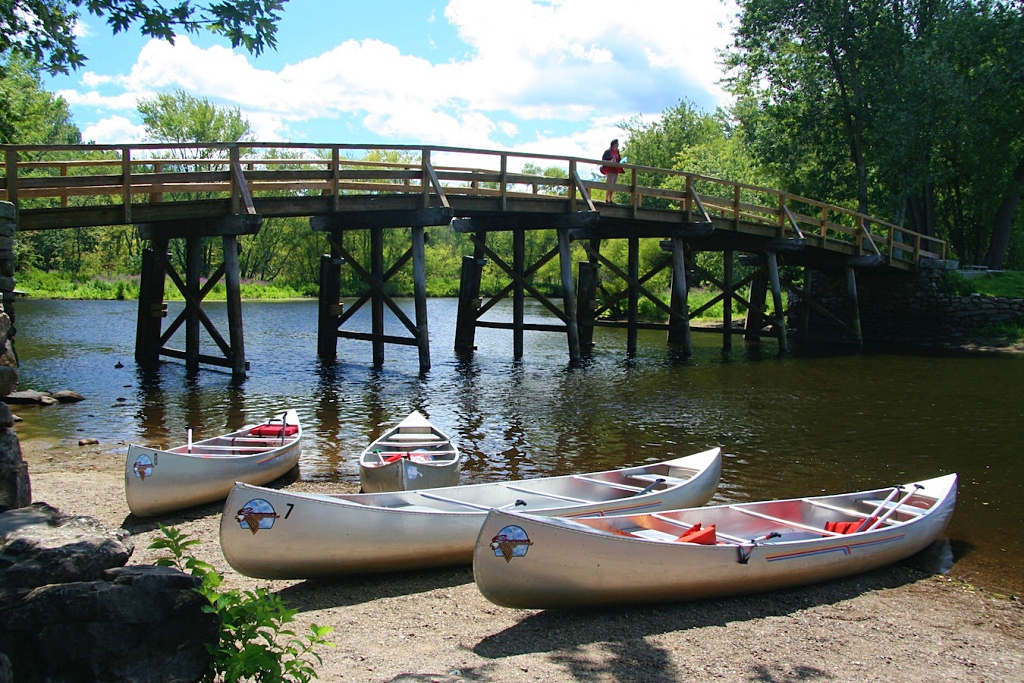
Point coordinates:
[[526, 561], [273, 534], [159, 481], [413, 454]]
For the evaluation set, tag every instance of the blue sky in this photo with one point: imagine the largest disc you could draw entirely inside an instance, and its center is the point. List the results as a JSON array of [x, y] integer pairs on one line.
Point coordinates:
[[546, 76]]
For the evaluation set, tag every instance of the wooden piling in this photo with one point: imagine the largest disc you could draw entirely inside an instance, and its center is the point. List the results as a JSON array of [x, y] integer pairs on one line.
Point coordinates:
[[469, 304], [780, 313], [805, 308], [565, 262], [518, 291], [329, 305], [377, 300], [679, 328], [152, 308], [419, 283], [727, 295], [193, 270], [851, 288], [233, 286], [586, 290], [633, 305], [758, 294]]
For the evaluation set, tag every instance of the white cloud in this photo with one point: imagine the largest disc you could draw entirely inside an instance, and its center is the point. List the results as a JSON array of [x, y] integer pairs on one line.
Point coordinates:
[[80, 29], [123, 102], [532, 66], [113, 130]]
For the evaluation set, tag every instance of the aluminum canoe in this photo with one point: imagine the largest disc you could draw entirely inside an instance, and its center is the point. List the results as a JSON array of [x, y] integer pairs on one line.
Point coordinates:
[[273, 534], [413, 454], [526, 561], [159, 481]]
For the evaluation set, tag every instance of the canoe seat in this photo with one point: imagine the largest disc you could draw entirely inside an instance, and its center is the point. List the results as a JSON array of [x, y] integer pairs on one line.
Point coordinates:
[[414, 437], [413, 508], [610, 484], [849, 527], [697, 535], [651, 478]]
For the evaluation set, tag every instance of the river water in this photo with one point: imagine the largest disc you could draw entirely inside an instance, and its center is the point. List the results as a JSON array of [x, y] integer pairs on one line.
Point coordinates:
[[810, 422]]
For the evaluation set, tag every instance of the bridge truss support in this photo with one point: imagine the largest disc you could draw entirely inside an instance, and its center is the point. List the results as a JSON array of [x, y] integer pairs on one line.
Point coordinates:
[[150, 340], [827, 285], [471, 306], [766, 278], [333, 315]]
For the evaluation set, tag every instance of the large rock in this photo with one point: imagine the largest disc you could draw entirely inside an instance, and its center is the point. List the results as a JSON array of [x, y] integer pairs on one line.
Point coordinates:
[[67, 396], [30, 396], [15, 488], [138, 624], [40, 544], [8, 378]]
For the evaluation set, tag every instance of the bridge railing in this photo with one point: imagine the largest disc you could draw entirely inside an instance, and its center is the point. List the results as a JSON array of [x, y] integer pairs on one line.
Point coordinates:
[[66, 177]]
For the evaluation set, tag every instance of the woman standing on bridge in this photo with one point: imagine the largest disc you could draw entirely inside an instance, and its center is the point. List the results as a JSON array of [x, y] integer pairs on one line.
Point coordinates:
[[611, 172]]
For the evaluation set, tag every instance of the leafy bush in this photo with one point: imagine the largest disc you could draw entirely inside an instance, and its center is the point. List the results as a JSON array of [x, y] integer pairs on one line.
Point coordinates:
[[955, 284], [252, 624]]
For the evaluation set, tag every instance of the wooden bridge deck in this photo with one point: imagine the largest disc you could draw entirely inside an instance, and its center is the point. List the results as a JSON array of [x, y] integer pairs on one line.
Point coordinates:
[[226, 190], [115, 185]]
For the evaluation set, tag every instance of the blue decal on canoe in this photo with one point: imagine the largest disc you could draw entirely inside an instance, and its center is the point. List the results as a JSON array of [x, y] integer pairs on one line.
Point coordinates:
[[510, 542], [143, 467], [256, 514]]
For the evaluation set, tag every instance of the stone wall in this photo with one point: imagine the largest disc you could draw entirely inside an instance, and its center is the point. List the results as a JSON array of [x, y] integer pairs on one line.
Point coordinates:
[[919, 309], [15, 488], [8, 360]]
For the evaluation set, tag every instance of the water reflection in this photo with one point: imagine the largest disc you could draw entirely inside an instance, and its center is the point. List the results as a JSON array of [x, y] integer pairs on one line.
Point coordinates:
[[808, 422]]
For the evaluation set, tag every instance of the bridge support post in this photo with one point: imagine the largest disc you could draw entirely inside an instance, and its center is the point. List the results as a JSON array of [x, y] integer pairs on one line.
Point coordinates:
[[377, 298], [633, 304], [469, 303], [419, 284], [193, 268], [780, 314], [587, 278], [156, 266], [758, 294], [332, 317], [851, 288], [679, 334], [571, 328], [518, 292], [727, 294], [152, 308], [233, 285], [329, 305], [805, 306]]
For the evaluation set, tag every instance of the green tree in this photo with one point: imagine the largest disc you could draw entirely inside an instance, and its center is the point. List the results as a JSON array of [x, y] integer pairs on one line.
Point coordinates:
[[30, 115], [658, 142], [43, 30], [178, 117], [181, 118], [908, 110]]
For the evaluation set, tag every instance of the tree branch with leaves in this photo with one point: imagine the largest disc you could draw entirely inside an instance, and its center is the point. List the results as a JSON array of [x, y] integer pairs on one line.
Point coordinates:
[[44, 30]]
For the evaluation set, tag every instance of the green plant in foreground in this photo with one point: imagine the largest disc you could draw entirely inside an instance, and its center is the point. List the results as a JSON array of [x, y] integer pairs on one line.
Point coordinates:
[[254, 643]]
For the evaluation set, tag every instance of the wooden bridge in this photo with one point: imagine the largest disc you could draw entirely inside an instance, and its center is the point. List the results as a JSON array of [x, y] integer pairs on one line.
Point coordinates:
[[225, 190]]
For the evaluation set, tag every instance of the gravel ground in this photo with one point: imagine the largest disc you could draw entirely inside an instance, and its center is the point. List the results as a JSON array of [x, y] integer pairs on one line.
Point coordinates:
[[895, 624]]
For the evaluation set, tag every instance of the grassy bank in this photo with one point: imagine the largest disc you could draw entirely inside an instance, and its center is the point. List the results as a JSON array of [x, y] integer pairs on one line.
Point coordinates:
[[57, 285]]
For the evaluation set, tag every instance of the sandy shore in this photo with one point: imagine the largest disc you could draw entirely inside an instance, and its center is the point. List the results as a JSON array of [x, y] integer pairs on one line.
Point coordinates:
[[896, 624]]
